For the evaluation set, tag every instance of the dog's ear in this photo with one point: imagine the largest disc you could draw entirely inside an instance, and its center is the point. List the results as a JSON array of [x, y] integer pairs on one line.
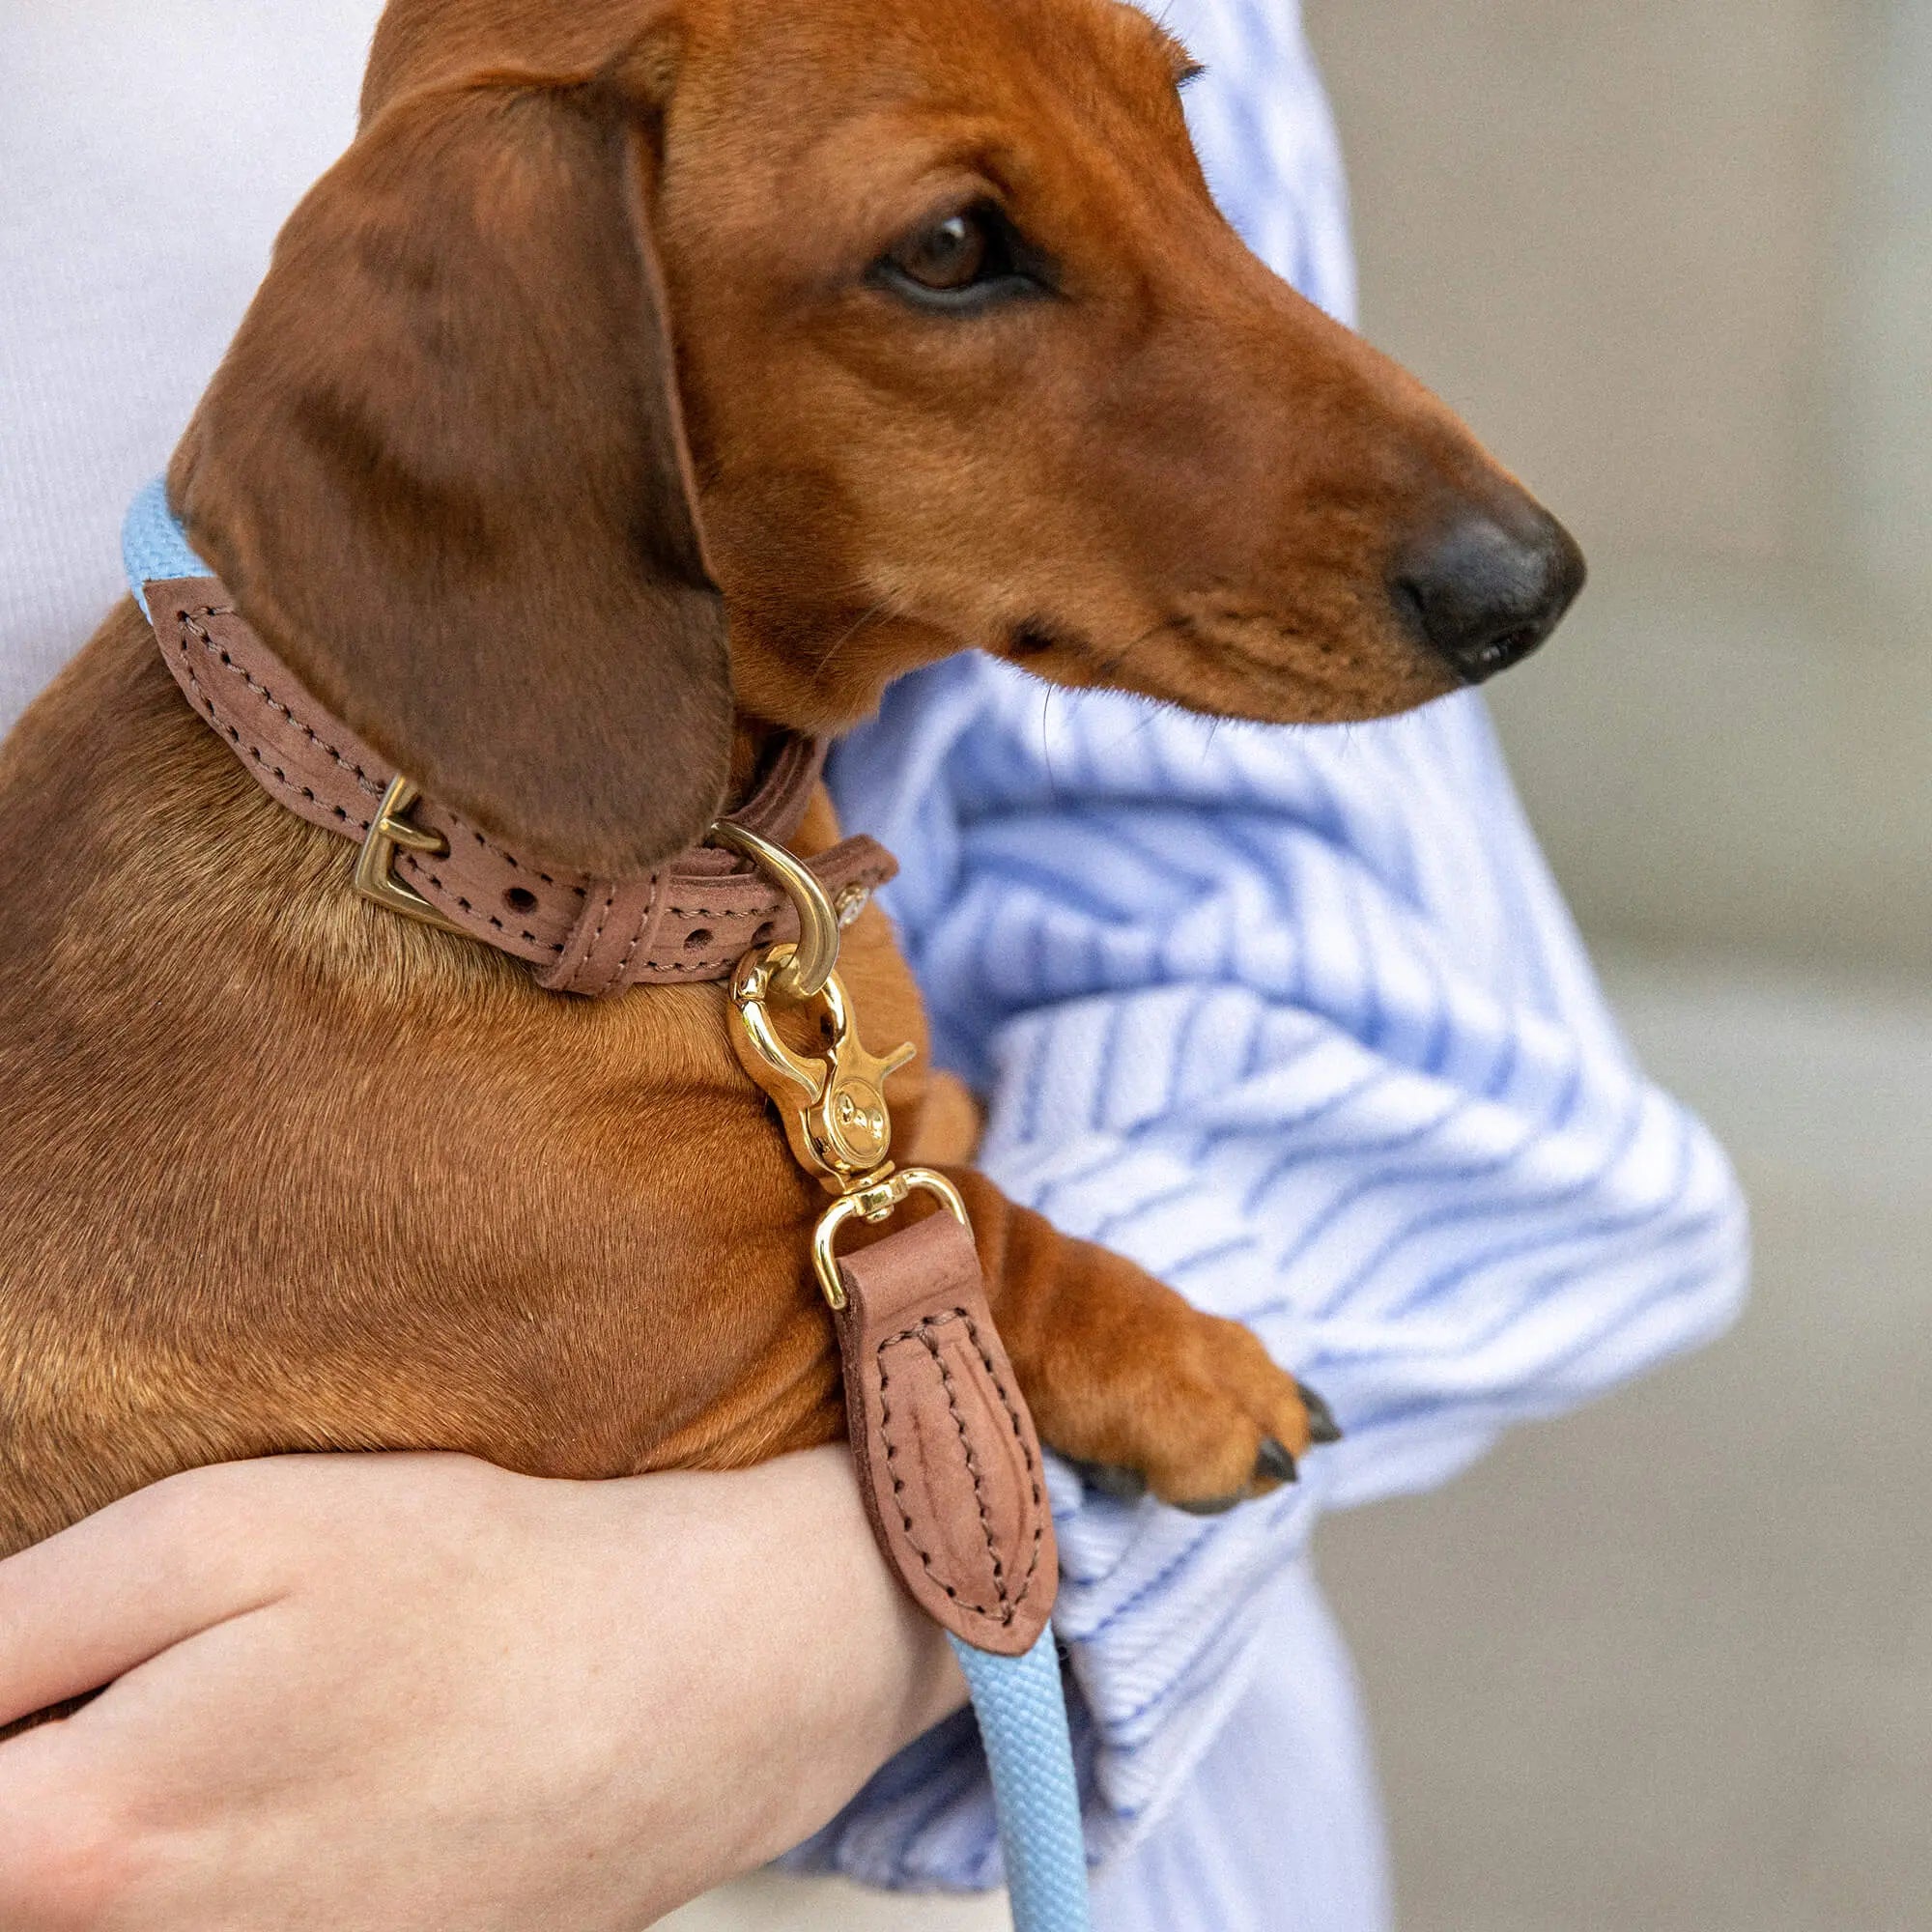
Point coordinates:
[[443, 471]]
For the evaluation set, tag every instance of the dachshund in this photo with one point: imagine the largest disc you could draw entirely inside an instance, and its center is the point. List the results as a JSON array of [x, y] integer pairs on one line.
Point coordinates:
[[650, 383]]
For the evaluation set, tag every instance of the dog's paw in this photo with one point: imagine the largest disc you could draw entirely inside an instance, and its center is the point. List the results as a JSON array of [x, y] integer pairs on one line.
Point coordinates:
[[1195, 1413]]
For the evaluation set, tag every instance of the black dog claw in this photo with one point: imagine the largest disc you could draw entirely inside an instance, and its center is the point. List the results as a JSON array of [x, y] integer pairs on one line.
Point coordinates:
[[1274, 1463], [1321, 1424], [1108, 1479]]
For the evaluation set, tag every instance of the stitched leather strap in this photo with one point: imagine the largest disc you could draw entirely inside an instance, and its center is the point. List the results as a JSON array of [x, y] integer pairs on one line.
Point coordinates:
[[691, 920], [948, 1463]]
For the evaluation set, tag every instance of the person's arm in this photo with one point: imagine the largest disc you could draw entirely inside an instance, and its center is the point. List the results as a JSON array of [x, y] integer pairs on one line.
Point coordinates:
[[1296, 1020], [447, 1695]]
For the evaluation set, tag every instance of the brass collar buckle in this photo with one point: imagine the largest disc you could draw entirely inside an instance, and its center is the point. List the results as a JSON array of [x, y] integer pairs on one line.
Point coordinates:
[[375, 875], [831, 1096]]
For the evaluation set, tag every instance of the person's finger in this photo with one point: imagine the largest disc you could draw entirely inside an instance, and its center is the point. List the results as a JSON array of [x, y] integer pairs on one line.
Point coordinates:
[[62, 1848], [120, 1587]]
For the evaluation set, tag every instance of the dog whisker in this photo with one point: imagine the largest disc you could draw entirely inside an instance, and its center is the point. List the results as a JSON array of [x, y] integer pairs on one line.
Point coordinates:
[[846, 636]]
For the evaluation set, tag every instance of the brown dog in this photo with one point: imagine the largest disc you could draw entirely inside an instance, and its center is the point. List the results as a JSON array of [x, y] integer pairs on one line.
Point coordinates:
[[856, 332]]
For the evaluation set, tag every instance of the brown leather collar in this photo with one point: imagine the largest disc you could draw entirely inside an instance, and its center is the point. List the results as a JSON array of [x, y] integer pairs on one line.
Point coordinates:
[[689, 921]]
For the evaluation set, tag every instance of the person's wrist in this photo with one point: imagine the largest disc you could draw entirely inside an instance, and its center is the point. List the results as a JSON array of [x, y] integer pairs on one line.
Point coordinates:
[[917, 1681], [840, 1670]]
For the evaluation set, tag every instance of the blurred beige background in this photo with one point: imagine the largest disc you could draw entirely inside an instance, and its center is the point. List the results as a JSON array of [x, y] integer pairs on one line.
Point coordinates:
[[1673, 258], [1668, 1667]]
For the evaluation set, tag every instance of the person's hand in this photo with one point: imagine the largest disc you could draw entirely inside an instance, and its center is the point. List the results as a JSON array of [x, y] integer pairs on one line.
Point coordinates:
[[407, 1694]]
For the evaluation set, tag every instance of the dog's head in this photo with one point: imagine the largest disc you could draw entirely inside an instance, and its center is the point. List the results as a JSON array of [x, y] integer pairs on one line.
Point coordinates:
[[859, 333]]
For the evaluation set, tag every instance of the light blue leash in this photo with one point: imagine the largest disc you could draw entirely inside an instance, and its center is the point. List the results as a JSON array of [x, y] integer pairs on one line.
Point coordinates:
[[1019, 1701], [1021, 1706]]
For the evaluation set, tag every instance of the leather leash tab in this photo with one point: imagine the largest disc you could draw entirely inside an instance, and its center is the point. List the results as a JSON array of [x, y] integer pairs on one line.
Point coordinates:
[[949, 1461]]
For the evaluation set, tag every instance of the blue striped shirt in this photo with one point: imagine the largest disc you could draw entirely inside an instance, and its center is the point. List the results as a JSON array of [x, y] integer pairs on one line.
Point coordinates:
[[1296, 1019]]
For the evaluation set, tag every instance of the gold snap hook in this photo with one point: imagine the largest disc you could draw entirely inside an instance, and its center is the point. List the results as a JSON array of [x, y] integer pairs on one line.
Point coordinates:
[[832, 1101]]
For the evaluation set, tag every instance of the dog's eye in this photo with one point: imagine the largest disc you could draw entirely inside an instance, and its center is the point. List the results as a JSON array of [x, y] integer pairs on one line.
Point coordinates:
[[950, 255], [958, 262]]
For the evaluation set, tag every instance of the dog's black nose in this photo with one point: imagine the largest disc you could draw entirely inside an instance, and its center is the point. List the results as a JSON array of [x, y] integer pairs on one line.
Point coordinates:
[[1491, 587]]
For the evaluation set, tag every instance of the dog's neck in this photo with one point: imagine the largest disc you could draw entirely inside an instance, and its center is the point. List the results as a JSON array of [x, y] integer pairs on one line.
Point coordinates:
[[754, 745]]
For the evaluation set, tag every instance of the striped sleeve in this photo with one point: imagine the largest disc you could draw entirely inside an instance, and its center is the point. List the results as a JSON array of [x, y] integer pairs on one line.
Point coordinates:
[[1296, 1020]]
